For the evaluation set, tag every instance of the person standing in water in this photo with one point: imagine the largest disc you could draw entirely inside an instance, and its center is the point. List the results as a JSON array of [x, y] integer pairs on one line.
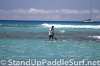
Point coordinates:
[[51, 33]]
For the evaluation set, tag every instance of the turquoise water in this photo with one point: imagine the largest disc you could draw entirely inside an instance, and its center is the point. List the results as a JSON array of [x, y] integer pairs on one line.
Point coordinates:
[[39, 49], [23, 42]]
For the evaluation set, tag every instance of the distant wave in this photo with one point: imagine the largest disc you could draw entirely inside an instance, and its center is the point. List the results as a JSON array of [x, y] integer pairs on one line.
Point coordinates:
[[95, 37], [71, 26], [18, 26], [49, 25]]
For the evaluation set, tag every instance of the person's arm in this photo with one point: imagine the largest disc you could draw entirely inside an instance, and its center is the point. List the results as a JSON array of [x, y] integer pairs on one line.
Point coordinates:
[[53, 32], [50, 29]]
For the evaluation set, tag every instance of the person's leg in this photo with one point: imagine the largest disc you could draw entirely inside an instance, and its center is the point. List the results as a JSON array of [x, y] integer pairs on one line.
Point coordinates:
[[52, 37], [49, 37]]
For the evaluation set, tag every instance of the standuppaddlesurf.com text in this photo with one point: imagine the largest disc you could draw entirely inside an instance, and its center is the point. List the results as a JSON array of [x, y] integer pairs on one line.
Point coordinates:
[[56, 62]]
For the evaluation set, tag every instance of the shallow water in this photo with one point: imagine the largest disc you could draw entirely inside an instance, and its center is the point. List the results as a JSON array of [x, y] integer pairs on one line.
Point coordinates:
[[32, 48], [29, 41]]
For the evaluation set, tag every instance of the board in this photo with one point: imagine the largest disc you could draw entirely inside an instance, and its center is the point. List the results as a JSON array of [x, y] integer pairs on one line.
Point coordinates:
[[55, 40]]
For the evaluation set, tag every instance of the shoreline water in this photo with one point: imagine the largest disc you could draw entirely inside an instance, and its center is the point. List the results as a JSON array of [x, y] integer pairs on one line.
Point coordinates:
[[27, 40], [79, 36]]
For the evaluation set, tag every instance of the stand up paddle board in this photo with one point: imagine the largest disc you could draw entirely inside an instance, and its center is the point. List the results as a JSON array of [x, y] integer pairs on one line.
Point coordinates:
[[55, 40]]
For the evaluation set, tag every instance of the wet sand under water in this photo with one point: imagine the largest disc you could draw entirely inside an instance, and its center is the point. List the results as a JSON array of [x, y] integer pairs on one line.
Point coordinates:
[[44, 35]]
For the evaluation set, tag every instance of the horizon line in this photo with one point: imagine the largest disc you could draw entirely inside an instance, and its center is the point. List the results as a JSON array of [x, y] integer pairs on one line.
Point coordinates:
[[44, 20]]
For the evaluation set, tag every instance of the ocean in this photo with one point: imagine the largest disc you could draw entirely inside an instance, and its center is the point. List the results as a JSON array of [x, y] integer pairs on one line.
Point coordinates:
[[28, 41]]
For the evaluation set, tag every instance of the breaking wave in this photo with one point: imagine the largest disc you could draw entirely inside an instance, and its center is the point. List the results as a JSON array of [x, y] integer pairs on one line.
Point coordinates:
[[71, 26], [95, 37]]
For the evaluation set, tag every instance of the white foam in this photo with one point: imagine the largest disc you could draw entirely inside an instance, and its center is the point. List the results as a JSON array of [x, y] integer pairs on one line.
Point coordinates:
[[96, 37], [71, 26], [62, 31]]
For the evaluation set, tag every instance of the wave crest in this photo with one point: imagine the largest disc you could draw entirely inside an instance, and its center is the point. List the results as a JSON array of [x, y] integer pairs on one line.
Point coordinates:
[[71, 26]]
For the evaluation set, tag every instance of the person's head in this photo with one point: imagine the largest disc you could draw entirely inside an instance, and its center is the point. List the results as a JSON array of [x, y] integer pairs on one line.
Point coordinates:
[[52, 26]]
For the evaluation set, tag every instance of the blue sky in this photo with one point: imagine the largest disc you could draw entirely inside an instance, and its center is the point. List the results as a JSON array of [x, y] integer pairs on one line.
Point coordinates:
[[56, 10]]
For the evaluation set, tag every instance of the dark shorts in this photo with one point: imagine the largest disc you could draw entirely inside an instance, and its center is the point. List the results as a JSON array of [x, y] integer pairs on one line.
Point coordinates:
[[51, 36]]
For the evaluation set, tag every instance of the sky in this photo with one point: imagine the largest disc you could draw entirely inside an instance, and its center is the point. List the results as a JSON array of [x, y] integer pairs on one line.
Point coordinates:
[[50, 10]]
